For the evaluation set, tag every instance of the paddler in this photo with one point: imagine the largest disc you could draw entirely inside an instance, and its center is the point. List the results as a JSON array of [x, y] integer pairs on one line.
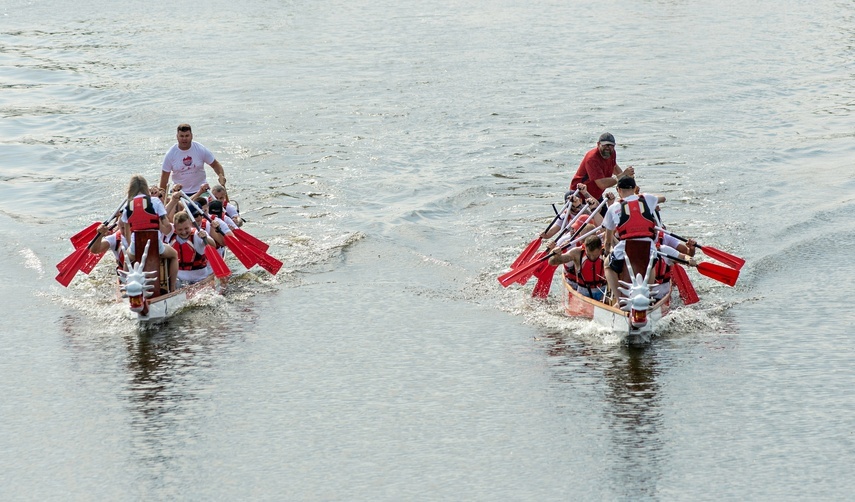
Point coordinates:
[[190, 246], [585, 265]]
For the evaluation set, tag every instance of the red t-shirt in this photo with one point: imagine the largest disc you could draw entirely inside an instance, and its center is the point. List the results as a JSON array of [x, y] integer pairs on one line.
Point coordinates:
[[594, 167]]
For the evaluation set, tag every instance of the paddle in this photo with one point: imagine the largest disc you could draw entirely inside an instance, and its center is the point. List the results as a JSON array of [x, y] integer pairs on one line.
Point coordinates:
[[248, 239], [545, 272], [250, 256], [89, 232], [84, 235], [726, 258], [534, 245], [247, 255], [544, 281], [218, 264], [72, 265], [684, 285], [82, 258], [528, 269], [719, 273]]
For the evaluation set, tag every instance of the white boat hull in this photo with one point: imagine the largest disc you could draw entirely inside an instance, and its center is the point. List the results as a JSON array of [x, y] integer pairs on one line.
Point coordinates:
[[164, 306]]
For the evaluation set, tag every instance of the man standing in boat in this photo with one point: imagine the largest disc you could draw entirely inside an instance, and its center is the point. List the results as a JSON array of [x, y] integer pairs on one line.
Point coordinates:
[[599, 169], [186, 162]]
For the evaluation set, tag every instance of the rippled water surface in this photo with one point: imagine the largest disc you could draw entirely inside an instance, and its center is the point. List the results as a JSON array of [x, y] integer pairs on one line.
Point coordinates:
[[398, 156]]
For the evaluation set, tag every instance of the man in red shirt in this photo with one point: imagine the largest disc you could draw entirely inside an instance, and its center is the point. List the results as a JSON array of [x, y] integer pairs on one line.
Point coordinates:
[[599, 169]]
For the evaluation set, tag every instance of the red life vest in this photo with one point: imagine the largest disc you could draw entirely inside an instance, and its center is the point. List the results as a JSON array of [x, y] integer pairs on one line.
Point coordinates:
[[591, 273], [188, 257], [141, 214], [570, 272], [636, 220]]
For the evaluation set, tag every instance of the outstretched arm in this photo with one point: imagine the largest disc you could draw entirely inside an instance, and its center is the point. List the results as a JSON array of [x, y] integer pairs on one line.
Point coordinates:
[[218, 168]]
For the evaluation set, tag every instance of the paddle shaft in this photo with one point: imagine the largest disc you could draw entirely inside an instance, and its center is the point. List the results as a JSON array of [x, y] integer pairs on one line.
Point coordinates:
[[732, 260], [725, 275]]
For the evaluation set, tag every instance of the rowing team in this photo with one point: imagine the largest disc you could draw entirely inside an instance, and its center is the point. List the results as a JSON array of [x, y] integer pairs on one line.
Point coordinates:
[[588, 231], [186, 227]]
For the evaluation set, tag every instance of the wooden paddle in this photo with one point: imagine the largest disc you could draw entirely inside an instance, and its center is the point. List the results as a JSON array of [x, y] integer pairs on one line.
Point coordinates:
[[83, 236], [544, 281], [726, 258], [719, 273]]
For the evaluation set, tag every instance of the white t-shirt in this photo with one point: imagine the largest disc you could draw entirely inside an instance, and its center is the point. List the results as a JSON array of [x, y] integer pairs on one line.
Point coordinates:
[[612, 219], [188, 166], [111, 240], [231, 210]]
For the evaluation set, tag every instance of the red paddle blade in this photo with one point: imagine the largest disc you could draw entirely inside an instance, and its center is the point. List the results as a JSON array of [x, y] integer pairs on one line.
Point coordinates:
[[68, 260], [684, 285], [515, 275], [722, 274], [218, 265], [527, 253], [537, 271], [269, 263], [91, 260], [240, 252], [250, 240], [726, 258], [544, 282], [70, 270], [83, 237]]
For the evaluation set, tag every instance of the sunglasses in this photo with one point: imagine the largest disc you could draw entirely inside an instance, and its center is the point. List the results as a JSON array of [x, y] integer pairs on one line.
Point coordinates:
[[183, 128]]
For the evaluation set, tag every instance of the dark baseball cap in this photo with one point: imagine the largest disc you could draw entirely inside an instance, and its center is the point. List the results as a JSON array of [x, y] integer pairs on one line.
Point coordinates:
[[606, 139], [626, 182]]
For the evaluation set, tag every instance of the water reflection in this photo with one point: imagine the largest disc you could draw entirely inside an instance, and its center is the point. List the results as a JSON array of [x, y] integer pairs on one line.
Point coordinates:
[[624, 381], [172, 370]]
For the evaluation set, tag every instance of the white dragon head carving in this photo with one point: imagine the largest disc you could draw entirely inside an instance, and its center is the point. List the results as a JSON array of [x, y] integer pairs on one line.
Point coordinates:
[[137, 284]]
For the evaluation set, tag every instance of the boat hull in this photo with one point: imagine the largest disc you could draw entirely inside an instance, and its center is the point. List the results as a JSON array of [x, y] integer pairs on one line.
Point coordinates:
[[164, 306], [615, 319]]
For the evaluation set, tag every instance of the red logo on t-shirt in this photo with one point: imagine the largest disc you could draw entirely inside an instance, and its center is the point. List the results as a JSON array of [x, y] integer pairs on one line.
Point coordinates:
[[188, 160]]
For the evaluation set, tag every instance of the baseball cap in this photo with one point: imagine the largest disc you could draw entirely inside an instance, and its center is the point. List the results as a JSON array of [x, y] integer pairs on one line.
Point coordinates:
[[606, 139], [626, 182], [216, 207]]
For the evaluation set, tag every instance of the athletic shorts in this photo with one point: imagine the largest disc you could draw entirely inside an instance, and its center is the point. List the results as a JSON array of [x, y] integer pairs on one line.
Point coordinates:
[[616, 264]]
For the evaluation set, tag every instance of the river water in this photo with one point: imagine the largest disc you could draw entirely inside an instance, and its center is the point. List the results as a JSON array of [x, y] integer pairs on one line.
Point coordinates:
[[398, 156]]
